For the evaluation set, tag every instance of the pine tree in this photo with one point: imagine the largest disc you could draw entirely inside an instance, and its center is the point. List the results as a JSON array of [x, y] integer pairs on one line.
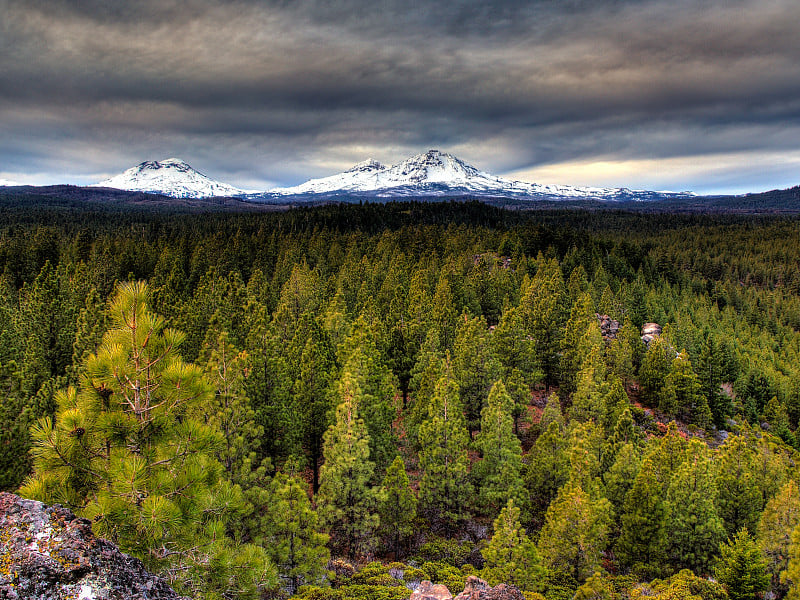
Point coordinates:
[[695, 529], [361, 358], [520, 394], [426, 374], [686, 388], [625, 432], [548, 470], [739, 499], [576, 343], [588, 401], [656, 366], [397, 506], [444, 489], [552, 413], [711, 374], [499, 473], [620, 476], [513, 347], [624, 352], [585, 452], [313, 400], [575, 532], [780, 518], [294, 540], [642, 545], [128, 451], [15, 420], [346, 501], [511, 556], [475, 367], [741, 567], [230, 412], [544, 313]]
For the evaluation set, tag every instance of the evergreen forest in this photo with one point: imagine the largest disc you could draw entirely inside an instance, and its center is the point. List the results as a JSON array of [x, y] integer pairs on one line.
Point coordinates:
[[340, 402]]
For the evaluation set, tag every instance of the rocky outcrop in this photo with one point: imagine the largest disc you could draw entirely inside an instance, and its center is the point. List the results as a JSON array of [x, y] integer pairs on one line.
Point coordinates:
[[478, 589], [650, 331], [47, 553], [608, 327], [474, 589], [430, 591]]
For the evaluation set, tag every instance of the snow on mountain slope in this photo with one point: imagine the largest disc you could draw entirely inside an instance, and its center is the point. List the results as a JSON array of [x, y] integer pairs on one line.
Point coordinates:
[[436, 173], [171, 177]]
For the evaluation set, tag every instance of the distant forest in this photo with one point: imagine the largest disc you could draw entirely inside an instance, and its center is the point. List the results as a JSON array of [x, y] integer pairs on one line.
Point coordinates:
[[339, 402]]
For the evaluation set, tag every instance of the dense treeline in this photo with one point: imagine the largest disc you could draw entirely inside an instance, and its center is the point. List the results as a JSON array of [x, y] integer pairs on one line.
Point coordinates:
[[237, 398]]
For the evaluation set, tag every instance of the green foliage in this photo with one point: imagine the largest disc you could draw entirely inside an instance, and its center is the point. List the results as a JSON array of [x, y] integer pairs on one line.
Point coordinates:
[[575, 532], [739, 499], [511, 557], [445, 490], [684, 585], [293, 539], [741, 567], [578, 341], [475, 368], [128, 451], [397, 507], [780, 518], [548, 470], [653, 374], [346, 500], [444, 550], [544, 311], [643, 541], [386, 292], [695, 529], [499, 473]]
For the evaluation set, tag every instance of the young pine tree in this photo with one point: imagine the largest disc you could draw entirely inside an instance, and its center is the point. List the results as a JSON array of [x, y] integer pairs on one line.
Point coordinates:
[[294, 540], [499, 473], [129, 451], [780, 518], [642, 545], [511, 556], [575, 532], [397, 506], [548, 469], [444, 490], [742, 568], [695, 529], [346, 501]]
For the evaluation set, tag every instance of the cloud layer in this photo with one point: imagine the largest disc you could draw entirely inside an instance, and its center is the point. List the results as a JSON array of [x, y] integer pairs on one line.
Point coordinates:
[[258, 93]]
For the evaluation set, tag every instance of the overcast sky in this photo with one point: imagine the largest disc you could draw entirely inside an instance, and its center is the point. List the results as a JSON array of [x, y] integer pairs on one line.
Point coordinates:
[[663, 94]]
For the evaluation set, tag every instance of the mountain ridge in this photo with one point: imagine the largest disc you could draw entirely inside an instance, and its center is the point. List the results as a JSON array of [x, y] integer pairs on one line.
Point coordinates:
[[431, 174], [437, 173]]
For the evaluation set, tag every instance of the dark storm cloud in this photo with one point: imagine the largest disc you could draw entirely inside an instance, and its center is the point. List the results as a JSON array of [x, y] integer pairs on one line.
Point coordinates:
[[272, 91]]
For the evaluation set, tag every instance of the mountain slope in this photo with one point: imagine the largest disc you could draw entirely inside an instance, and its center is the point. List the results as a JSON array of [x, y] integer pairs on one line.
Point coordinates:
[[171, 177], [436, 173]]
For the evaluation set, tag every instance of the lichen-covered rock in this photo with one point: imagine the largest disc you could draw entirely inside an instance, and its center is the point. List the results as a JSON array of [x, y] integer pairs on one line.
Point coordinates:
[[430, 591], [477, 589], [47, 553]]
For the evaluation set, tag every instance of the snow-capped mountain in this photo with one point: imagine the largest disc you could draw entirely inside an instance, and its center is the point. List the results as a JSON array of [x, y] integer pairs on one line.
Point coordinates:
[[436, 173], [171, 177], [8, 183]]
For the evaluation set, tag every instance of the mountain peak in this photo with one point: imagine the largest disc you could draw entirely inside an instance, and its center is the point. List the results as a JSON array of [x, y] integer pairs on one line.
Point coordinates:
[[365, 166], [170, 177]]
